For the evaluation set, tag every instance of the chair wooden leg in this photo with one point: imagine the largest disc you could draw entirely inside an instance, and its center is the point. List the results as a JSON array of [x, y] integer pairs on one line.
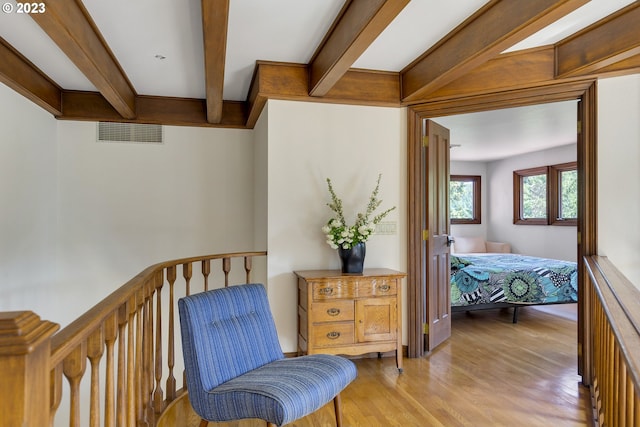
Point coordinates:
[[271, 424], [337, 407], [203, 422]]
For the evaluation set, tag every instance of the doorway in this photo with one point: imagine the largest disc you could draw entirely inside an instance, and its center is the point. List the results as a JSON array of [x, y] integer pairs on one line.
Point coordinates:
[[584, 92]]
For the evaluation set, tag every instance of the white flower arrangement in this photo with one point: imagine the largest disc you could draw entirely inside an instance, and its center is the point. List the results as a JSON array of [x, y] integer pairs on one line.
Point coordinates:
[[341, 235]]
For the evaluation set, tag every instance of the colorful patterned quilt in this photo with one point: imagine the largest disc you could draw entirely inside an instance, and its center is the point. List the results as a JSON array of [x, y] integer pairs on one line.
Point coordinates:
[[511, 278]]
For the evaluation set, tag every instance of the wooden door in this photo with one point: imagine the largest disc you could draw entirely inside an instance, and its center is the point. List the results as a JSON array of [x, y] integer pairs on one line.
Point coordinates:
[[438, 293]]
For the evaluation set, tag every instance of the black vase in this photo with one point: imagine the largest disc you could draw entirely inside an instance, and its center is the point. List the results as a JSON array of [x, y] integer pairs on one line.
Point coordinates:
[[353, 259]]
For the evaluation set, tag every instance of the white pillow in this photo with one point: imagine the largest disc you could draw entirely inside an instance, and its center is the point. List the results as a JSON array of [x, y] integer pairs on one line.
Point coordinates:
[[463, 245], [498, 247]]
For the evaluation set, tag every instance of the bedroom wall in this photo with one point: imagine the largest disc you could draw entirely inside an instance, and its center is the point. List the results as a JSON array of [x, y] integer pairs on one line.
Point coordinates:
[[472, 168], [619, 173], [497, 206], [537, 240], [28, 170], [307, 143], [123, 207]]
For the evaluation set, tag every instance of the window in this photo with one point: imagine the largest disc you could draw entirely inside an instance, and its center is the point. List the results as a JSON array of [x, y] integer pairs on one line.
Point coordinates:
[[464, 199], [564, 206], [546, 195], [530, 196]]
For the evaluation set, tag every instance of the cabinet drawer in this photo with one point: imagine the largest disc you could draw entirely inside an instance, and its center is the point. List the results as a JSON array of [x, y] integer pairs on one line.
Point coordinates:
[[333, 334], [336, 289], [332, 311], [377, 287]]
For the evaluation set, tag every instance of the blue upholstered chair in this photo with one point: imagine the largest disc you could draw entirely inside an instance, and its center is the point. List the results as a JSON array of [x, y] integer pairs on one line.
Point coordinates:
[[235, 367]]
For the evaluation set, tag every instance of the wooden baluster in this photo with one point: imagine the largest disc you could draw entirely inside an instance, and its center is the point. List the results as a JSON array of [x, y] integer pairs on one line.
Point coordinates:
[[226, 267], [55, 393], [636, 409], [602, 378], [110, 336], [121, 388], [247, 268], [613, 372], [187, 273], [623, 402], [131, 363], [73, 367], [600, 362], [595, 325], [148, 352], [630, 398], [609, 379], [95, 349], [157, 393], [171, 380], [206, 270], [139, 364], [616, 373]]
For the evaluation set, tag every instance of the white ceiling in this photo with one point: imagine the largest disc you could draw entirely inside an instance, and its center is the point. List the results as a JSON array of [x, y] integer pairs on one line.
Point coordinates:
[[493, 135], [274, 30]]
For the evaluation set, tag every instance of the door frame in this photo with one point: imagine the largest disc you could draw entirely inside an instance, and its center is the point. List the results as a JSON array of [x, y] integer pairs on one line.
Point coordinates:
[[582, 90]]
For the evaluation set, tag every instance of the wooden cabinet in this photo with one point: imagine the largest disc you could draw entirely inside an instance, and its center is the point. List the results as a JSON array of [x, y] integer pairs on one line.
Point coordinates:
[[350, 314]]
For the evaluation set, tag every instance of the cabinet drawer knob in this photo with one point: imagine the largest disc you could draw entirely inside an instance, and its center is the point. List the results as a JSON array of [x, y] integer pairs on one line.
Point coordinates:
[[384, 288], [326, 291], [333, 311], [333, 335]]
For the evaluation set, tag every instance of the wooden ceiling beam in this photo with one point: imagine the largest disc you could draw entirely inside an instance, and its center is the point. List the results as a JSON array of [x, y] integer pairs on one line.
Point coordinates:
[[277, 80], [514, 70], [92, 106], [215, 18], [625, 67], [609, 41], [492, 29], [359, 23], [18, 73], [70, 26], [519, 70]]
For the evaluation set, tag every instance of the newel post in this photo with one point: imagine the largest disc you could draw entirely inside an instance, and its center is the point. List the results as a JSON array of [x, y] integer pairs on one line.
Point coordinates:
[[25, 347]]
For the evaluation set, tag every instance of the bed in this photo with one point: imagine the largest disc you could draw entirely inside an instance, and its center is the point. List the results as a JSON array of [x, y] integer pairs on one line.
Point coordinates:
[[493, 280]]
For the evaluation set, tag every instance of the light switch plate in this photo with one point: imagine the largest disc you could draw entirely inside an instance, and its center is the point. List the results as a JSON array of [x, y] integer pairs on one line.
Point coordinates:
[[388, 227]]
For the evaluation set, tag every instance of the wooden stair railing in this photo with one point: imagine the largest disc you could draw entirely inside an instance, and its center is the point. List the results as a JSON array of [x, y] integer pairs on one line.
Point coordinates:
[[127, 342], [612, 350]]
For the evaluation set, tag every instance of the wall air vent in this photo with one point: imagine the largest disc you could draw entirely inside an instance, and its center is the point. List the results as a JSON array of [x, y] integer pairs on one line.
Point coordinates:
[[130, 132]]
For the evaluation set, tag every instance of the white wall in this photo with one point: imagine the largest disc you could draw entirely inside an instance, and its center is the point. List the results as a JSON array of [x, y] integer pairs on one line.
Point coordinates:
[[309, 142], [473, 168], [28, 170], [619, 173], [260, 194], [548, 241], [123, 207]]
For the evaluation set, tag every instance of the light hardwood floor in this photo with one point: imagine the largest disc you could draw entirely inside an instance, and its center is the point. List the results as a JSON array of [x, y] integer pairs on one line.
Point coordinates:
[[491, 372]]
